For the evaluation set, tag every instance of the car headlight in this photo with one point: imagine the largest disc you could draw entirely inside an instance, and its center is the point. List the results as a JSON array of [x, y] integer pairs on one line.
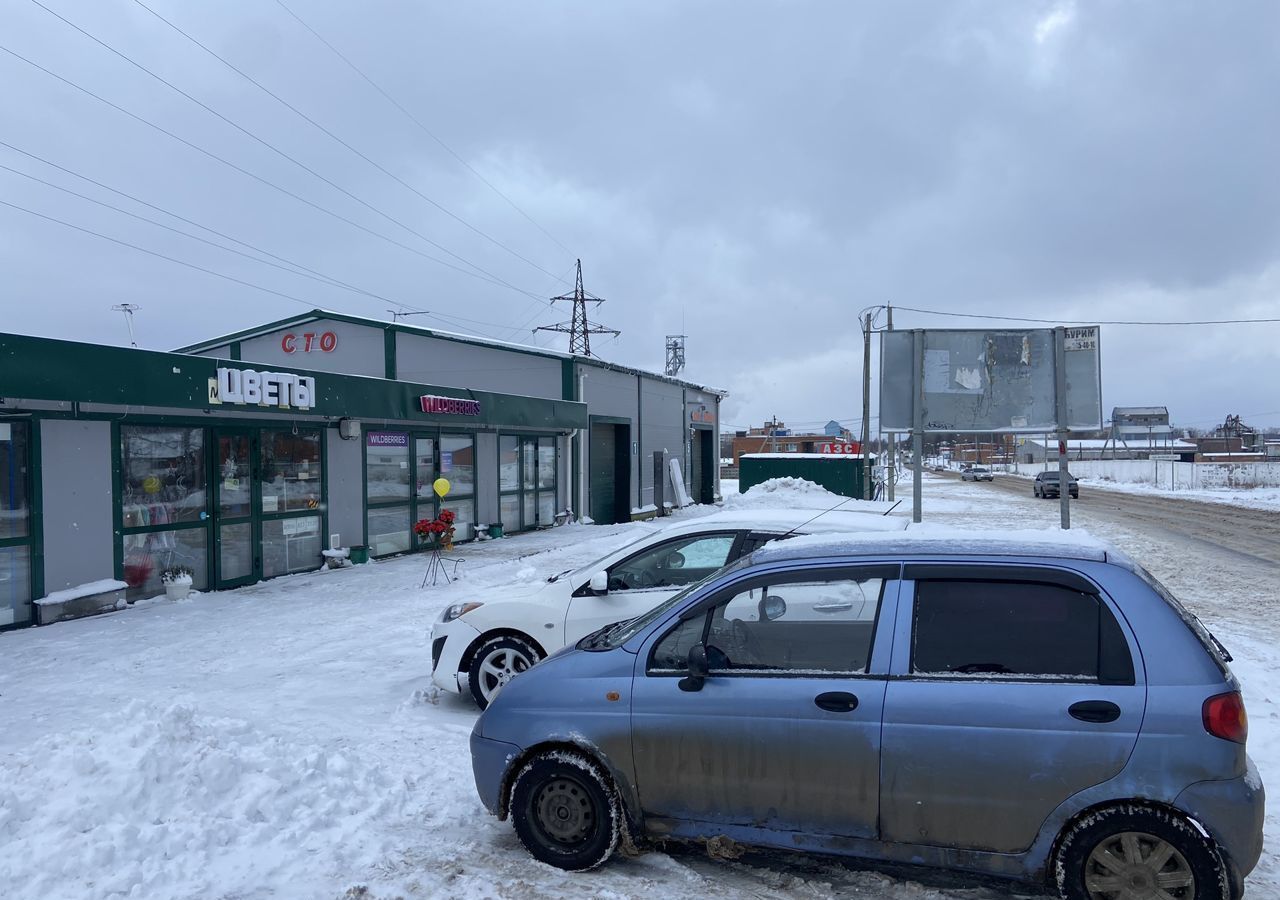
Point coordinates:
[[458, 609]]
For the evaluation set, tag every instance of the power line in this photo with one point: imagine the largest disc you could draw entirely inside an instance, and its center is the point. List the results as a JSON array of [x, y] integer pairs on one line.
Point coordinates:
[[938, 312], [421, 126], [447, 319], [479, 271], [306, 273], [335, 137], [171, 259]]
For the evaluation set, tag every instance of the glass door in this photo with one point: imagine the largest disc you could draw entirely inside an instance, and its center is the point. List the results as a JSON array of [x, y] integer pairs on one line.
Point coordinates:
[[236, 541]]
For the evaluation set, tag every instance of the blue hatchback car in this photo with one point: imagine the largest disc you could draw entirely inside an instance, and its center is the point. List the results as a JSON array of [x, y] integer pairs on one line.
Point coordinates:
[[1044, 711]]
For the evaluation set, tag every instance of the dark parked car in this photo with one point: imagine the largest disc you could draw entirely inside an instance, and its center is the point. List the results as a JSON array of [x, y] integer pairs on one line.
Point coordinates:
[[1047, 485], [1045, 712]]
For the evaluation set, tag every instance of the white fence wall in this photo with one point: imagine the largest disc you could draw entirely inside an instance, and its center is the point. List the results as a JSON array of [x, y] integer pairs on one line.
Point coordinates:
[[1177, 475]]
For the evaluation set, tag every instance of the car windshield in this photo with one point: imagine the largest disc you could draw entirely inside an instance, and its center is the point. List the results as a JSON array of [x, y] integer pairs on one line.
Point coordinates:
[[596, 565]]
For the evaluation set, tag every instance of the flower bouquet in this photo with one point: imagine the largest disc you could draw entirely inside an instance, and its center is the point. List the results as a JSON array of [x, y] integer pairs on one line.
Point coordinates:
[[436, 534]]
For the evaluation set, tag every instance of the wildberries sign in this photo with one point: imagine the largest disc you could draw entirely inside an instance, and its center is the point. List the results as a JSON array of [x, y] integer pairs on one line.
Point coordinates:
[[449, 406]]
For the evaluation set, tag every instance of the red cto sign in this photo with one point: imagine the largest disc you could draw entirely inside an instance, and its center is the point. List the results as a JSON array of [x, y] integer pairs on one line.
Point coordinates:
[[325, 342], [853, 448]]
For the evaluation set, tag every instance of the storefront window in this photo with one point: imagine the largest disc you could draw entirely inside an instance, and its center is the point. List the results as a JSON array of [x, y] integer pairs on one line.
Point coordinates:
[[389, 530], [458, 463], [510, 509], [162, 476], [425, 462], [546, 462], [15, 514], [464, 524], [290, 470], [290, 545], [15, 585], [387, 465], [508, 462], [148, 554]]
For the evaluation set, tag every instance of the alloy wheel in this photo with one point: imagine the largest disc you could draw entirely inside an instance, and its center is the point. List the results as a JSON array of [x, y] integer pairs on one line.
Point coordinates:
[[500, 667], [1134, 865]]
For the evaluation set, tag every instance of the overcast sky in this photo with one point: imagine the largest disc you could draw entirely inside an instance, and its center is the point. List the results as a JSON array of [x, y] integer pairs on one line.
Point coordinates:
[[751, 174]]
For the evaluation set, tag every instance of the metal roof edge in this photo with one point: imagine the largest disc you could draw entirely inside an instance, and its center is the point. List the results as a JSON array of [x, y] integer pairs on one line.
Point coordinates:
[[321, 313]]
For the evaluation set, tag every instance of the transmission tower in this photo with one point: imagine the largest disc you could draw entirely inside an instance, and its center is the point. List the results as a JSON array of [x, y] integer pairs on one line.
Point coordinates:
[[675, 354], [578, 329]]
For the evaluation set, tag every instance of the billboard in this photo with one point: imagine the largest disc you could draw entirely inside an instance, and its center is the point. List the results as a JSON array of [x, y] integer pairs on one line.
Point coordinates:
[[989, 380]]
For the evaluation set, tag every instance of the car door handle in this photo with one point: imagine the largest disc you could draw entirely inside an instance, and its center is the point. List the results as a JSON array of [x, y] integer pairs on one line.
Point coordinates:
[[837, 701], [1094, 711]]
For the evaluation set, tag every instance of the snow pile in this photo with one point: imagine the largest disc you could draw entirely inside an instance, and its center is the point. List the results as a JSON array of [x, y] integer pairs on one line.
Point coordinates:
[[796, 493], [80, 591], [167, 803], [783, 493]]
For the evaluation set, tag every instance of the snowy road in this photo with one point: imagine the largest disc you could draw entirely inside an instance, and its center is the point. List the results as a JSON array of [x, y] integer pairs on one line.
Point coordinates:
[[282, 741]]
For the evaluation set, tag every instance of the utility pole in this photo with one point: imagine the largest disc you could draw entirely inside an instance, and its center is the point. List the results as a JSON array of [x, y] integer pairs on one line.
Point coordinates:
[[128, 309], [675, 354], [578, 329], [891, 469], [866, 407]]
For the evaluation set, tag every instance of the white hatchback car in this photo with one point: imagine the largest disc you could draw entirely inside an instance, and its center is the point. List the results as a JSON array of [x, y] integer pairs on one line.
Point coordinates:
[[481, 644]]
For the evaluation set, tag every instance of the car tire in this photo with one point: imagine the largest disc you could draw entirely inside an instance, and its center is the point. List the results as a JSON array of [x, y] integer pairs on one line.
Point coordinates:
[[496, 662], [1109, 852], [566, 811]]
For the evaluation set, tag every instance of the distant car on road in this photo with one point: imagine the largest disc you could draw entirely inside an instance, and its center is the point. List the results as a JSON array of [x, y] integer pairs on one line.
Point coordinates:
[[1041, 711], [1046, 485], [976, 473]]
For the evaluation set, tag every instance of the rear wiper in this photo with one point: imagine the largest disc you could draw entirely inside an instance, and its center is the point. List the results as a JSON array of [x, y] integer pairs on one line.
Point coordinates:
[[1222, 651]]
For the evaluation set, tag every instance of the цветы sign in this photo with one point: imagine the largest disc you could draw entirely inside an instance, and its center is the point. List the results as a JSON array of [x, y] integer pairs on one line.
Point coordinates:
[[247, 387], [449, 406]]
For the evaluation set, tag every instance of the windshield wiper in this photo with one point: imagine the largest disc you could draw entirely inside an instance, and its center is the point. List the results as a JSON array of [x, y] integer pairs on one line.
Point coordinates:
[[558, 576]]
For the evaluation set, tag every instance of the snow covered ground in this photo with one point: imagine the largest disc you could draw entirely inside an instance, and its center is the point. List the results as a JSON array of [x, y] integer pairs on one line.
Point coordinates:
[[283, 740]]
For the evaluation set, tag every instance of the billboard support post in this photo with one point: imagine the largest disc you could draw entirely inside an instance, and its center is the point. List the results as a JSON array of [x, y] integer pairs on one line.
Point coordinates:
[[917, 425], [1060, 379]]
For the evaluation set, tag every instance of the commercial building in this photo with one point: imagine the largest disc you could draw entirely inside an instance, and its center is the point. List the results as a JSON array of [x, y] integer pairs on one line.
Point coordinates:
[[245, 456], [775, 437]]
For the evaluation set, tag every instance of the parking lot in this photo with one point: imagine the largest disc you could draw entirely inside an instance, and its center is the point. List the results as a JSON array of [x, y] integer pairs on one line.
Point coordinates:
[[284, 739]]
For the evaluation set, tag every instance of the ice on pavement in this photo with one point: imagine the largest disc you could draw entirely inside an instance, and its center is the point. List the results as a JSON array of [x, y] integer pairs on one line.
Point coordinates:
[[284, 740]]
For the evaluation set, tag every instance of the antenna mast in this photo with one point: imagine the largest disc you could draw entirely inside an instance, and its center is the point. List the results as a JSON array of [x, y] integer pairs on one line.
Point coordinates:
[[578, 329], [128, 309]]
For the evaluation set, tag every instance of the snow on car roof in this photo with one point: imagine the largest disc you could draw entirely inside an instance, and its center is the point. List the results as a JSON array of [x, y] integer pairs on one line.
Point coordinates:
[[807, 520], [936, 540]]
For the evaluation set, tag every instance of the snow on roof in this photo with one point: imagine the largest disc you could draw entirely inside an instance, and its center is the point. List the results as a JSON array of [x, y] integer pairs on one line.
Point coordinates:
[[940, 540], [807, 521]]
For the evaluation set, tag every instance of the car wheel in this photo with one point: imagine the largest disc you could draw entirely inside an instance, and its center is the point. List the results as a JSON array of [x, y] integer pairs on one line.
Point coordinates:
[[496, 662], [1134, 851], [566, 811]]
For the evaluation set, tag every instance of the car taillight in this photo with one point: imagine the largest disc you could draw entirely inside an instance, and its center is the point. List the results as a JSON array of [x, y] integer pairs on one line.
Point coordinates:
[[1224, 717]]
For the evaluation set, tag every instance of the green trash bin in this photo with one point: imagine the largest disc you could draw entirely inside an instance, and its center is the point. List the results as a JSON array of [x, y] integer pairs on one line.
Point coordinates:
[[495, 531], [359, 554]]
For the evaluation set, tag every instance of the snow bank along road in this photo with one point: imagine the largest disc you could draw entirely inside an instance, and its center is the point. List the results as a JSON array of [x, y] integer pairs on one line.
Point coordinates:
[[282, 740], [1235, 529]]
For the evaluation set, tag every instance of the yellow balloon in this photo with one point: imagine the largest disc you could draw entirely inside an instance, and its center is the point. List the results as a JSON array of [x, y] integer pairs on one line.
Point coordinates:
[[441, 486]]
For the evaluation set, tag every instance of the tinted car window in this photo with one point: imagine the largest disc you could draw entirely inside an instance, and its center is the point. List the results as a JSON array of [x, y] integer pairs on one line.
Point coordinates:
[[1012, 628], [811, 626]]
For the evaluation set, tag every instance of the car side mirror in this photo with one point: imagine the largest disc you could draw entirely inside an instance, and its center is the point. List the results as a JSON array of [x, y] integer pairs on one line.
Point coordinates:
[[698, 669], [772, 607], [599, 583]]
